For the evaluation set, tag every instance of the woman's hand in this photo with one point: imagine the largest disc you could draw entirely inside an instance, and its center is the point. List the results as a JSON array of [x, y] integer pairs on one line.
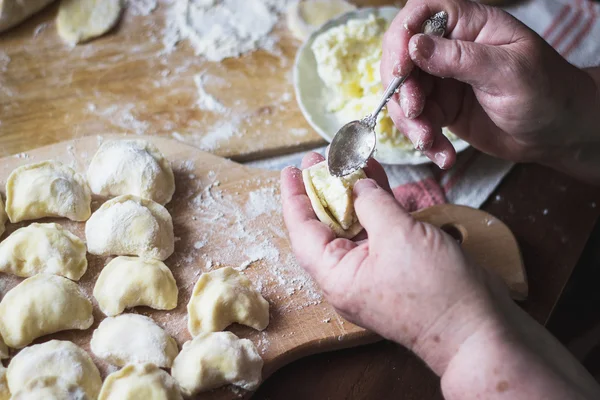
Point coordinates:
[[408, 281], [493, 82]]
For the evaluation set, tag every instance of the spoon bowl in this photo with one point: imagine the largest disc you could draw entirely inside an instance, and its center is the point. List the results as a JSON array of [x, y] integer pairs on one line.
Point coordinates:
[[349, 152]]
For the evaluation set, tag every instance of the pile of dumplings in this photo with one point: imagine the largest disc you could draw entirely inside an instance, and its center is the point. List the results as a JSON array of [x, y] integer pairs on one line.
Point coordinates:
[[135, 227]]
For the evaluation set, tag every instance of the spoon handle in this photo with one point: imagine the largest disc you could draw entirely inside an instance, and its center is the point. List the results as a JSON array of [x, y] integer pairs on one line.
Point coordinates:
[[435, 26]]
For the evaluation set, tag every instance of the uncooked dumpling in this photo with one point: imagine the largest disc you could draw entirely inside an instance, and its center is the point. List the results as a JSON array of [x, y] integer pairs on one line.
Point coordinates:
[[4, 392], [133, 281], [47, 189], [140, 381], [129, 225], [3, 216], [41, 305], [222, 297], [54, 358], [331, 198], [131, 167], [133, 338], [214, 359], [50, 388], [82, 20], [3, 349], [13, 12], [38, 248]]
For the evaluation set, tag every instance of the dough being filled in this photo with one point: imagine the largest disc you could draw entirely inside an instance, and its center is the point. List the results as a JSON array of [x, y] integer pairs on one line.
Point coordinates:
[[82, 20], [4, 392], [41, 305], [43, 248], [134, 167], [222, 297], [12, 12], [47, 189], [331, 198], [140, 381], [57, 358], [3, 217], [129, 225], [50, 388], [304, 17], [132, 281], [215, 359], [133, 338]]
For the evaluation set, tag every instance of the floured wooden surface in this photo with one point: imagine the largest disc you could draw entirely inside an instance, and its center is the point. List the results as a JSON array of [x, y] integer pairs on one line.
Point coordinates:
[[223, 214], [136, 80]]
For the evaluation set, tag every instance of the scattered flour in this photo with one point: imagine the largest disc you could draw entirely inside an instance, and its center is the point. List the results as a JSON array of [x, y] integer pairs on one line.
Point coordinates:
[[142, 7], [220, 132], [262, 201], [207, 101]]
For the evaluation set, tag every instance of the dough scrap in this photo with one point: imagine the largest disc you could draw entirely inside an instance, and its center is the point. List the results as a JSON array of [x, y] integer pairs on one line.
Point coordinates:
[[58, 358], [133, 338], [129, 225], [134, 167], [43, 248], [222, 297], [331, 198], [4, 392], [82, 20], [13, 12], [47, 189], [132, 281], [305, 17], [140, 381], [4, 353], [41, 305], [50, 388], [3, 216], [215, 359]]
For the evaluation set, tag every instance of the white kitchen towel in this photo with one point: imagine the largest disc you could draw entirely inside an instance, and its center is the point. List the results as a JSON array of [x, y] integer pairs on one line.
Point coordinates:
[[573, 29]]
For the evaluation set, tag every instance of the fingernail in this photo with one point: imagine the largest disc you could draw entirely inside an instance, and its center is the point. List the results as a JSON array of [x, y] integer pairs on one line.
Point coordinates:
[[422, 47], [440, 160], [364, 185]]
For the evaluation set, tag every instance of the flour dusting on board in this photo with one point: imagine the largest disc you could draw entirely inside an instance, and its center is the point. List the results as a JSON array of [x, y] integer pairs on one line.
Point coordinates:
[[219, 29], [141, 7]]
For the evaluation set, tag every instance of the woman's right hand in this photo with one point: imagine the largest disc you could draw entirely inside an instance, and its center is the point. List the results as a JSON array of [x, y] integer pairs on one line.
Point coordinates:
[[494, 82]]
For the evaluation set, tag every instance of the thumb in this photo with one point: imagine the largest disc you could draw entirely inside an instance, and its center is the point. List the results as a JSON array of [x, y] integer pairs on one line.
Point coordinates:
[[467, 62], [378, 211]]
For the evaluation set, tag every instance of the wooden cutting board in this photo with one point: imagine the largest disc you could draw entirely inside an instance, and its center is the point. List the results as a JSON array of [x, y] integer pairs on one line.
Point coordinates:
[[225, 214]]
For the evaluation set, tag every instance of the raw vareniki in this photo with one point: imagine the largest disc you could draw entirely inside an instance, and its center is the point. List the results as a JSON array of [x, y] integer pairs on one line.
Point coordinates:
[[133, 281], [133, 379], [47, 189], [331, 198], [81, 20], [129, 225], [50, 388], [48, 248], [41, 305], [133, 338], [131, 167], [223, 297], [214, 359], [58, 358]]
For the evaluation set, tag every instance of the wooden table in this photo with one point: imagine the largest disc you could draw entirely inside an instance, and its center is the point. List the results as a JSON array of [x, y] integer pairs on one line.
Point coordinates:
[[120, 84]]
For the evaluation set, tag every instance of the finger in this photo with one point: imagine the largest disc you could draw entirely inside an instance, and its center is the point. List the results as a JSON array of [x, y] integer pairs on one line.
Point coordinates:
[[471, 63], [378, 211], [442, 153], [310, 159], [412, 96], [375, 171], [309, 237], [420, 131]]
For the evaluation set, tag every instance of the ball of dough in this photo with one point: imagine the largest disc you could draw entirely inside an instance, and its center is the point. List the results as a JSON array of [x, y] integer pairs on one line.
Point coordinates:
[[134, 167], [47, 189], [140, 381], [129, 225], [222, 297], [82, 20], [12, 12], [41, 305], [4, 392], [133, 281], [50, 388], [215, 359], [43, 248], [331, 198], [58, 358], [133, 338]]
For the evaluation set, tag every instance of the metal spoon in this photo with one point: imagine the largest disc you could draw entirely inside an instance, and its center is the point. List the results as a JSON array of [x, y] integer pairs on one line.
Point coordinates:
[[355, 142]]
